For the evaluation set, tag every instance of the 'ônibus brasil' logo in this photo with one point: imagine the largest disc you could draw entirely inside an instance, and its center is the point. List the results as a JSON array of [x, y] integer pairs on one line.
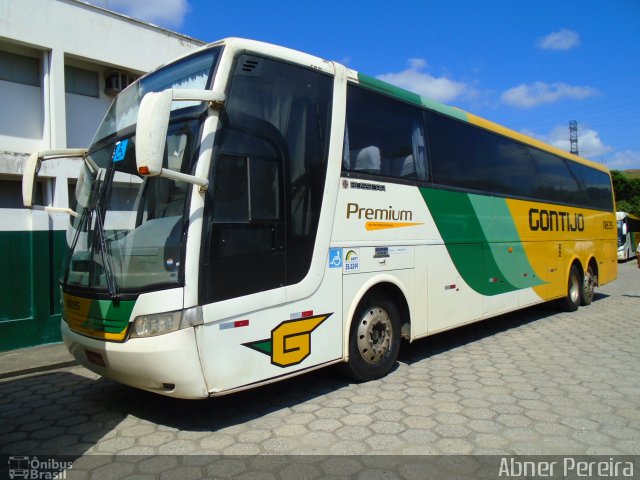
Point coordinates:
[[290, 342]]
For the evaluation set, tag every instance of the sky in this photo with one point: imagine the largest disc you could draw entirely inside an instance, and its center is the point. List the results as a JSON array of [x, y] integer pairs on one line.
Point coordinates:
[[530, 65]]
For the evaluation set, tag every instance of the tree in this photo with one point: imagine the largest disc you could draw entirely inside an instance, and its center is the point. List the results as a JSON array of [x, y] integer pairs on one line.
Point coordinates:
[[627, 191]]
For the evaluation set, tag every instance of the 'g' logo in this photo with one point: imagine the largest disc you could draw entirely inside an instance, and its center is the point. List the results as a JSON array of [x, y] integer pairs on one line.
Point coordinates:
[[290, 342]]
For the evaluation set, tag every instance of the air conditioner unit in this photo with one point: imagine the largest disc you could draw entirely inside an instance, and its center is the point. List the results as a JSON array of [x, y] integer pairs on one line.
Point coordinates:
[[115, 81]]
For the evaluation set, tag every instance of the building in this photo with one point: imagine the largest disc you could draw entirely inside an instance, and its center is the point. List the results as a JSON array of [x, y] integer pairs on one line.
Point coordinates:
[[61, 64]]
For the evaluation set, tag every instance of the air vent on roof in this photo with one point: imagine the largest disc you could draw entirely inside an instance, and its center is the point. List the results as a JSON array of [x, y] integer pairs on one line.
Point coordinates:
[[248, 66]]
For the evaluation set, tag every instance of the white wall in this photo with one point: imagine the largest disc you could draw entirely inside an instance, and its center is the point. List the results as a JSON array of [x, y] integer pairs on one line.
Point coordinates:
[[90, 32], [65, 32], [59, 33]]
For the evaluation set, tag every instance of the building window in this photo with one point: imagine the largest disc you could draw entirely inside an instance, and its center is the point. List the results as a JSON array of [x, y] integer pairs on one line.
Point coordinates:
[[19, 69], [81, 81], [11, 192]]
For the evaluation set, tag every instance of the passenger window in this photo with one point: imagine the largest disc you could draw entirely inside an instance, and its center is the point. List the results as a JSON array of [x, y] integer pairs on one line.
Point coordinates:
[[455, 151], [509, 165], [384, 137], [554, 182]]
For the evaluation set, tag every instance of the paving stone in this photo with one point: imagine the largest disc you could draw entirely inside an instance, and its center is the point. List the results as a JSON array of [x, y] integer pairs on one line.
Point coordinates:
[[531, 382]]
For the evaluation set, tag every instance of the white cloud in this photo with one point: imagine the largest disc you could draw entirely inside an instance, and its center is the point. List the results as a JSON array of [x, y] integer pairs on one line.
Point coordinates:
[[168, 13], [416, 80], [623, 160], [561, 40], [590, 145], [538, 93]]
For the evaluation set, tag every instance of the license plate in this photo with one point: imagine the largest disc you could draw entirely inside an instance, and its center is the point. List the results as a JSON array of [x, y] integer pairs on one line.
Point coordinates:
[[95, 358]]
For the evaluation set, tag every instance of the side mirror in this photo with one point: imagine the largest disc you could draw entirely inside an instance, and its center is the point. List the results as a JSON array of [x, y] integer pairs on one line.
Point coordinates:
[[30, 173], [625, 228], [152, 127]]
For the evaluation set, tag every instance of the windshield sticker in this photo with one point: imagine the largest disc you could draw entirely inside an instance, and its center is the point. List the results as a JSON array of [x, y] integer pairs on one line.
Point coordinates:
[[352, 261], [335, 258], [120, 151]]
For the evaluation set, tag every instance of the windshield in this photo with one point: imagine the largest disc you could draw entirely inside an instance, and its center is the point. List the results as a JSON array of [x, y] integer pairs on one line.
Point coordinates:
[[191, 72], [129, 231], [621, 236]]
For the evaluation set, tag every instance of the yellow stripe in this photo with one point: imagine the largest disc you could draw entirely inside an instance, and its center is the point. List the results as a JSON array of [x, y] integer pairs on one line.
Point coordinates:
[[551, 252], [494, 127], [384, 225], [76, 314]]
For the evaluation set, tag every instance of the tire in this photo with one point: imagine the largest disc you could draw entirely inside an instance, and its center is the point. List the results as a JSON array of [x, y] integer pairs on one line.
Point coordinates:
[[571, 302], [588, 286], [374, 339]]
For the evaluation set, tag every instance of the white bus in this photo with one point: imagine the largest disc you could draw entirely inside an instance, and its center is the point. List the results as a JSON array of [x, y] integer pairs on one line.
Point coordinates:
[[278, 213], [628, 235]]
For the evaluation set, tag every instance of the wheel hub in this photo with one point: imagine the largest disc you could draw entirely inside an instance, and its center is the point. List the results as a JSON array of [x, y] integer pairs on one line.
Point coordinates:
[[374, 335]]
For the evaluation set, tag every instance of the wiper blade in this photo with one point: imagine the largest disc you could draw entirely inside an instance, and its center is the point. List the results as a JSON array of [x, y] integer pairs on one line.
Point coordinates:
[[112, 284], [72, 248]]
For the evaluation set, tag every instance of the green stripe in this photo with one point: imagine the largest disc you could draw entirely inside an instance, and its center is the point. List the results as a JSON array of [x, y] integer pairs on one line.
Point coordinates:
[[263, 346], [105, 316], [502, 235], [410, 97], [477, 231]]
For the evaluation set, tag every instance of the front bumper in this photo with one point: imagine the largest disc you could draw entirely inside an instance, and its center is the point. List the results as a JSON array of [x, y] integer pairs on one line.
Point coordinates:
[[167, 364]]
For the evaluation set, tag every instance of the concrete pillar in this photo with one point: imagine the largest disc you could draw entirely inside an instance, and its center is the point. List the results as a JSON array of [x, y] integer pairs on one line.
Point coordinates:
[[57, 114]]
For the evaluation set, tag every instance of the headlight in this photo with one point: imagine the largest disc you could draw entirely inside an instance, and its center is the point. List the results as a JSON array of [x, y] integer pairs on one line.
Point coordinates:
[[160, 323]]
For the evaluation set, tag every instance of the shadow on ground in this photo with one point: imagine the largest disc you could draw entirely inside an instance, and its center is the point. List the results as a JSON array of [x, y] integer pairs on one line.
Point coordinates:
[[63, 412]]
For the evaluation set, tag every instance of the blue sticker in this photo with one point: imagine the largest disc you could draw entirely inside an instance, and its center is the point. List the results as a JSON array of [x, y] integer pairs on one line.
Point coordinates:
[[120, 151], [335, 258]]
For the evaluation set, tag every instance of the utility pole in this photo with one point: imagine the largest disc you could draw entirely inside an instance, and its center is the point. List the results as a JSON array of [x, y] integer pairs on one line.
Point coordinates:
[[573, 136]]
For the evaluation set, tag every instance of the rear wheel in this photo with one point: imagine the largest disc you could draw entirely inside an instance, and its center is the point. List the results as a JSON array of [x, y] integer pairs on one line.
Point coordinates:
[[574, 288], [588, 286], [374, 339]]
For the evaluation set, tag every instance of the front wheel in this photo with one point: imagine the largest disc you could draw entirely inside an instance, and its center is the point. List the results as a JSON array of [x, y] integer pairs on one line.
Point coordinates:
[[374, 339], [571, 302], [588, 286]]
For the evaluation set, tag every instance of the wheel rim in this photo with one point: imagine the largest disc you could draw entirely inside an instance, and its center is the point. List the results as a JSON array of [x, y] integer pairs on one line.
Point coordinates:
[[574, 289], [374, 335]]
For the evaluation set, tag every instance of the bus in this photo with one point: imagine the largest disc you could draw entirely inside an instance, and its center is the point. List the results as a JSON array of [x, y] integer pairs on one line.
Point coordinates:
[[248, 213], [628, 235]]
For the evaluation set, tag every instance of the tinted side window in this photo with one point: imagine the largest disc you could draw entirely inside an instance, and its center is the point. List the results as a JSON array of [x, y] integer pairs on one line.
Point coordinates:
[[384, 137], [597, 186], [268, 179], [468, 157], [456, 153], [509, 165], [553, 181]]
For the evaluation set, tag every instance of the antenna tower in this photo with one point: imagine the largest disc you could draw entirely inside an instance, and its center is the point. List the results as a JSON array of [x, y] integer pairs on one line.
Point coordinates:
[[573, 136]]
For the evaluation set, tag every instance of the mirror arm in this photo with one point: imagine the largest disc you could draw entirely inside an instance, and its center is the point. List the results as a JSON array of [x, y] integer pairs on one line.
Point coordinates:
[[68, 211], [32, 168], [202, 183]]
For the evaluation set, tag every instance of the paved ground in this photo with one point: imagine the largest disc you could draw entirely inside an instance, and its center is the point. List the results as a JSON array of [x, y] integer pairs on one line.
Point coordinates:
[[532, 382]]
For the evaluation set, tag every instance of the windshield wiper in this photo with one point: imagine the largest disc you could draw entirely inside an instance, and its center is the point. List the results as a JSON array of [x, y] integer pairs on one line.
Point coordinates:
[[112, 284], [85, 219], [100, 201]]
